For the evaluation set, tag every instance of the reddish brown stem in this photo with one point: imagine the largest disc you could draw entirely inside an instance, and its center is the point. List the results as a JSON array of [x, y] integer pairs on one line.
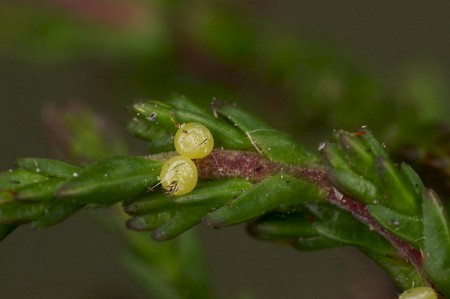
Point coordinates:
[[254, 167]]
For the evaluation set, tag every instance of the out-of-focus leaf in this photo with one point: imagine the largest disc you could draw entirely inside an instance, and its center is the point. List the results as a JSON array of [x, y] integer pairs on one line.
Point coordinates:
[[196, 283], [436, 234], [150, 278]]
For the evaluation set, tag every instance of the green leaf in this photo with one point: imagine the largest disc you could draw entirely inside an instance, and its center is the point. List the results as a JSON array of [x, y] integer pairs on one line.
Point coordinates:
[[39, 191], [170, 216], [56, 213], [358, 154], [18, 213], [436, 233], [143, 129], [111, 180], [404, 274], [210, 193], [275, 145], [405, 227], [341, 227], [335, 156], [413, 178], [160, 140], [224, 133], [266, 196], [354, 185], [180, 221], [181, 102], [278, 226], [401, 197], [351, 232], [149, 221], [315, 243], [48, 167], [161, 143], [373, 144], [13, 180], [166, 118], [241, 118], [214, 191], [150, 204], [156, 113]]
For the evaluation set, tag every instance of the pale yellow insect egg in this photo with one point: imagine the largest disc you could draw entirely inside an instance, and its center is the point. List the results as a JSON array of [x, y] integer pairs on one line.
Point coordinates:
[[419, 293], [178, 175], [193, 140]]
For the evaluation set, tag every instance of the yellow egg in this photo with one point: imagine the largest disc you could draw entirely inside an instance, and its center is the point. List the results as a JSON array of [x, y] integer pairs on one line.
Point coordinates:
[[193, 140], [419, 293], [179, 175]]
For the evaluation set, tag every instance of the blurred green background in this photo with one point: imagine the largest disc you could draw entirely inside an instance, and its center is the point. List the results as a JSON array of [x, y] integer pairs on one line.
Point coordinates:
[[306, 66]]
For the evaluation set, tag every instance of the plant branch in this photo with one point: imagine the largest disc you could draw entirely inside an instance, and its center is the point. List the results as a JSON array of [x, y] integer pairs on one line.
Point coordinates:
[[222, 164]]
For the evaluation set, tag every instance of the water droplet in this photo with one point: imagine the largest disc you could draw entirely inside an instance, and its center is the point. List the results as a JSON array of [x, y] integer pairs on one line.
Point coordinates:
[[75, 174]]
